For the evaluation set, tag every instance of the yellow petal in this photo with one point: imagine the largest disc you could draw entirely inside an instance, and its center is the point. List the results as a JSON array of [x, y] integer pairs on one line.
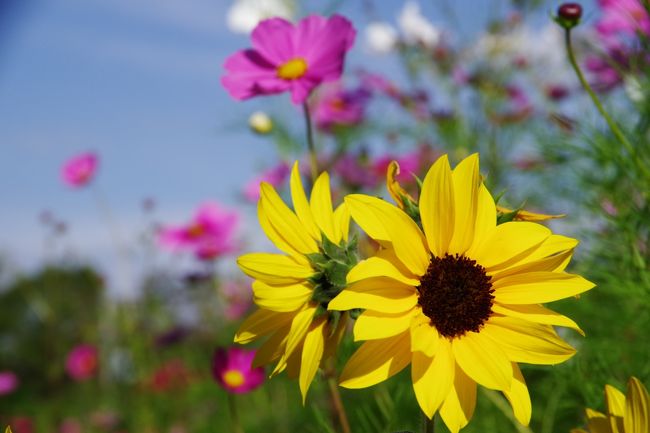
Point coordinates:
[[538, 287], [293, 363], [537, 314], [432, 377], [637, 408], [553, 263], [371, 325], [342, 222], [486, 216], [376, 361], [404, 235], [281, 298], [466, 185], [380, 267], [597, 422], [524, 215], [274, 269], [527, 342], [458, 407], [271, 233], [507, 243], [437, 206], [272, 348], [615, 408], [424, 337], [321, 207], [379, 294], [554, 244], [483, 361], [299, 327], [312, 353], [519, 397], [301, 205], [392, 185], [259, 323], [285, 221]]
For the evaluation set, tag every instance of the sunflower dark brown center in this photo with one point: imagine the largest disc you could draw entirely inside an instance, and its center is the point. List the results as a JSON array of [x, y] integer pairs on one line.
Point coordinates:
[[456, 294]]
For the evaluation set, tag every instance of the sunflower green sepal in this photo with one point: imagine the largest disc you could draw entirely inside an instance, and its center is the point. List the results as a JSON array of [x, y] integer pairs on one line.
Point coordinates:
[[331, 266]]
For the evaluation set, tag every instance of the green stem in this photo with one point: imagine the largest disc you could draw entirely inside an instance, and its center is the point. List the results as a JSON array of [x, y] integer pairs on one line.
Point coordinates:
[[504, 407], [610, 122], [234, 417], [428, 425], [337, 404], [311, 147]]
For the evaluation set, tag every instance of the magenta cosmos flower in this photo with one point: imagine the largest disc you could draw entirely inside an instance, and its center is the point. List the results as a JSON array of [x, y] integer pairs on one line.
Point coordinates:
[[80, 169], [82, 362], [233, 370], [274, 176], [622, 17], [340, 107], [8, 382], [289, 58], [210, 233]]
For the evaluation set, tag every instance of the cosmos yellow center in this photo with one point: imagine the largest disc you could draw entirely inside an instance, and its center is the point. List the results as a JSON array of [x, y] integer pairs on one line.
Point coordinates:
[[293, 69], [233, 378], [456, 294], [195, 230]]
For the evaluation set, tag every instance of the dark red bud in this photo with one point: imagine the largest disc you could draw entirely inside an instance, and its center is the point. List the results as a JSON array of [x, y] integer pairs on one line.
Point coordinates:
[[569, 14]]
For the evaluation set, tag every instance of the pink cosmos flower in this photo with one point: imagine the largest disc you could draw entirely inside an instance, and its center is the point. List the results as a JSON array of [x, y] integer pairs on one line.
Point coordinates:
[[80, 169], [287, 57], [8, 382], [82, 362], [237, 299], [339, 107], [274, 176], [232, 369], [622, 18], [354, 170], [210, 233]]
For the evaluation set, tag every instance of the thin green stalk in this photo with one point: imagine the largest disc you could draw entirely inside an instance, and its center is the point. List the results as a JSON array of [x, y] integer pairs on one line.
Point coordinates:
[[428, 425], [234, 416], [504, 407], [337, 404], [610, 122], [311, 147]]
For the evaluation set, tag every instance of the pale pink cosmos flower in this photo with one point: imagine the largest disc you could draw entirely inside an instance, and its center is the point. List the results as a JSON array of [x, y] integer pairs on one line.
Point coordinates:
[[82, 362], [8, 382], [336, 106], [209, 234], [289, 58], [80, 169], [233, 370], [274, 176]]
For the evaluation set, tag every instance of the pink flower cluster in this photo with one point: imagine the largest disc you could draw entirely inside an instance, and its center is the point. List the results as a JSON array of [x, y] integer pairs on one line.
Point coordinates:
[[289, 58], [233, 370], [338, 107], [209, 235], [82, 362], [274, 176], [80, 169]]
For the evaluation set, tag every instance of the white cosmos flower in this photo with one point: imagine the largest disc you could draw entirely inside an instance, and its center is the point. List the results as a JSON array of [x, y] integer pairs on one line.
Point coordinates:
[[415, 27], [244, 15], [381, 37]]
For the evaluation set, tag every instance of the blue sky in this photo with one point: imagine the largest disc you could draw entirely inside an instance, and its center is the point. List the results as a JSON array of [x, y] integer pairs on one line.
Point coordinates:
[[138, 82]]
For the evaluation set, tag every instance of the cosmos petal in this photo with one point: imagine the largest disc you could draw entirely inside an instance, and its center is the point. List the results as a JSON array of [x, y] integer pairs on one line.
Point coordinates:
[[281, 298], [466, 183], [483, 361], [538, 287], [537, 314], [519, 397], [285, 221], [371, 325], [259, 323], [274, 269], [321, 207], [378, 294], [527, 342], [432, 377], [637, 407], [379, 267], [437, 206], [301, 205], [458, 407], [376, 361], [312, 353], [378, 216]]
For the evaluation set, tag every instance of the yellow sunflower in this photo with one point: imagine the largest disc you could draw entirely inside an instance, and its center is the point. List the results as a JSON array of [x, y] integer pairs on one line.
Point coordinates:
[[292, 289], [625, 414], [459, 297]]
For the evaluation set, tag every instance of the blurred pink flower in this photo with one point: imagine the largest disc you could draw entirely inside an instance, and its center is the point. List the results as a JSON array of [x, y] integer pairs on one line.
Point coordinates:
[[288, 57], [70, 425], [409, 164], [602, 73], [232, 369], [237, 299], [80, 169], [354, 171], [8, 382], [21, 424], [208, 235], [338, 107], [622, 18], [82, 362], [275, 176], [171, 376]]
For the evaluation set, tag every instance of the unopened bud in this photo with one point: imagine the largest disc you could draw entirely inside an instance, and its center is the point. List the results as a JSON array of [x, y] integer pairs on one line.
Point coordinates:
[[568, 15], [260, 123]]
